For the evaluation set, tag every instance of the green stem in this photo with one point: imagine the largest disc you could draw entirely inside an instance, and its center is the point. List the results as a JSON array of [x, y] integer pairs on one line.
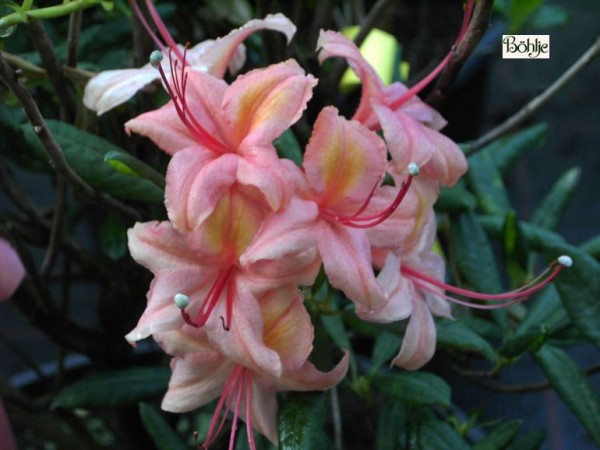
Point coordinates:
[[51, 12]]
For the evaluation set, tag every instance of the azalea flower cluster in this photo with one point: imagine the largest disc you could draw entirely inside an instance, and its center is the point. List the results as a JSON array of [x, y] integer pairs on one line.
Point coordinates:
[[247, 228]]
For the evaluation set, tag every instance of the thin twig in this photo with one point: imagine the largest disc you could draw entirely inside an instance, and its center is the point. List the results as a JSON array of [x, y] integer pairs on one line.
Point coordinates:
[[477, 28], [519, 117], [336, 417], [57, 159], [73, 38], [45, 48], [56, 230]]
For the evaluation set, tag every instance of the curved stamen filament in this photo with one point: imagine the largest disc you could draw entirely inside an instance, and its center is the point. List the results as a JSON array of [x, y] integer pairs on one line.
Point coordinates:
[[210, 301], [176, 86], [414, 90], [505, 299], [358, 221], [233, 393], [162, 29], [144, 22]]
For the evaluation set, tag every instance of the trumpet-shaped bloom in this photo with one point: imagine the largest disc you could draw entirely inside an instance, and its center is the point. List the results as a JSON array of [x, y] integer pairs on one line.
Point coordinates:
[[12, 271], [201, 374], [344, 163], [204, 267], [220, 134], [111, 88]]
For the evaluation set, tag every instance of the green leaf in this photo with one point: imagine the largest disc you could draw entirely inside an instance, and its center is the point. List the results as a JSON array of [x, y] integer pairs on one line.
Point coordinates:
[[475, 259], [301, 416], [163, 436], [390, 426], [530, 340], [437, 435], [486, 182], [455, 199], [454, 335], [386, 346], [499, 437], [551, 209], [514, 248], [529, 441], [129, 165], [545, 311], [288, 147], [548, 16], [509, 149], [114, 389], [572, 386], [415, 388], [113, 236], [592, 247], [579, 289], [85, 154], [519, 12]]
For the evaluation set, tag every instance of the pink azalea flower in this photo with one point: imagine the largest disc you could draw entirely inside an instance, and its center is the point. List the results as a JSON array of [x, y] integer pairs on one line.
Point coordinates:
[[344, 165], [12, 271], [111, 88], [204, 268], [413, 279], [220, 134], [201, 374]]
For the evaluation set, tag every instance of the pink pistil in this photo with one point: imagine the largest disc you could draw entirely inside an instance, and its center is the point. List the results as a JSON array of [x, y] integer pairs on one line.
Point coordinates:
[[503, 300], [211, 300], [435, 72]]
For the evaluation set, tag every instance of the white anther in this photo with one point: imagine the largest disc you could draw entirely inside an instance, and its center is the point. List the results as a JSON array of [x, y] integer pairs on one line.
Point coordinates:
[[413, 169], [181, 301], [565, 261], [156, 58], [37, 129]]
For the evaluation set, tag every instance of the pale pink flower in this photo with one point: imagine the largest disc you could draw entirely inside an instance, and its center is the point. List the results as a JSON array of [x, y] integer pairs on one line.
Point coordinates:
[[220, 134], [11, 270], [111, 88], [204, 267], [201, 374]]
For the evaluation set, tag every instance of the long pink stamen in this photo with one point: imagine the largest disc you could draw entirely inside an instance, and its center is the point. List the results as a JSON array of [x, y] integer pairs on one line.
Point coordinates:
[[162, 29], [414, 90], [249, 431], [176, 86], [358, 221], [144, 22], [505, 299], [211, 300]]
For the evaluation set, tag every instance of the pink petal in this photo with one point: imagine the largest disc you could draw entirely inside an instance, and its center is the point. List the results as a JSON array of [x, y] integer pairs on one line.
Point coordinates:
[[110, 88], [418, 344], [195, 183], [217, 56], [344, 161], [346, 259], [284, 250], [287, 326], [264, 409], [243, 342], [309, 378], [336, 44], [12, 271], [164, 126], [432, 264], [264, 172], [263, 103], [398, 291]]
